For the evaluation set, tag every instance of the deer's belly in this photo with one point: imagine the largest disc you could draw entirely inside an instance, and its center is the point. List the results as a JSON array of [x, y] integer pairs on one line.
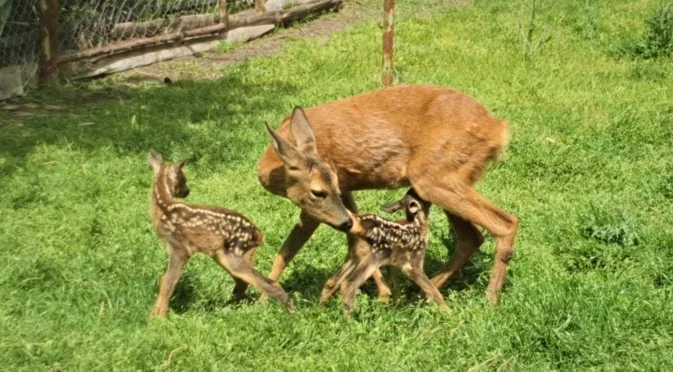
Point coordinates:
[[389, 177]]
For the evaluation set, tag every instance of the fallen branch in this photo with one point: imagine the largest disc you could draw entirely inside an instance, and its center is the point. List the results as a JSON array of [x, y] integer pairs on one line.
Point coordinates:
[[129, 30], [131, 59]]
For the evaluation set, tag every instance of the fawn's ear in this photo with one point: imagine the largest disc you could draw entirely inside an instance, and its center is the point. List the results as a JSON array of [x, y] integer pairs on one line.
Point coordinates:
[[413, 207], [392, 207], [290, 155], [182, 163], [367, 224], [155, 161]]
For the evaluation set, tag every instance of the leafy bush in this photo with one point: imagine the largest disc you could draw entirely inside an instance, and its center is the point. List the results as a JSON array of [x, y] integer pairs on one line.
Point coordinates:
[[658, 41], [610, 228]]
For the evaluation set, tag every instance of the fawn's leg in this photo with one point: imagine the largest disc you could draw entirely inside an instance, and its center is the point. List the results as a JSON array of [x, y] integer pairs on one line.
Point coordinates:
[[299, 235], [242, 285], [463, 201], [469, 239], [241, 269], [177, 259], [416, 273], [355, 245], [394, 280], [368, 266], [337, 280]]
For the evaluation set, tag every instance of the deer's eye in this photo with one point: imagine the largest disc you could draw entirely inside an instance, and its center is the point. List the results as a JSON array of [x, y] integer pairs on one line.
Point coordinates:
[[320, 194]]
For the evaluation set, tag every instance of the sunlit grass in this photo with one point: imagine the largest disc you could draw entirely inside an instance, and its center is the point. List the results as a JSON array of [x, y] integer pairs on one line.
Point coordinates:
[[588, 173]]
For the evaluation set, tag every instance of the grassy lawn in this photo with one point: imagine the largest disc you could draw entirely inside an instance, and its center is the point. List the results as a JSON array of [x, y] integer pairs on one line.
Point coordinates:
[[588, 173]]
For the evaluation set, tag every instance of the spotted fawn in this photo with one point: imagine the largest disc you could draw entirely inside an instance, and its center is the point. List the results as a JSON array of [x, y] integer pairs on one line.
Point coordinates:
[[400, 244], [226, 236]]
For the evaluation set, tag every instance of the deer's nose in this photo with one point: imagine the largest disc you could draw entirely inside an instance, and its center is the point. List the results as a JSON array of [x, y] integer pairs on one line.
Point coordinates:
[[346, 226]]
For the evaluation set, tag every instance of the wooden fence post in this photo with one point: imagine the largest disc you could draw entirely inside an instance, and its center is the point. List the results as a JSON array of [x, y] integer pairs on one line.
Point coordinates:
[[388, 12], [224, 14], [49, 45], [259, 5]]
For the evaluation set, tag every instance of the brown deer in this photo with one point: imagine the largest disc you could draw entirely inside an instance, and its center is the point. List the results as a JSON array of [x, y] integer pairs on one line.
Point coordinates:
[[401, 244], [226, 236], [437, 140]]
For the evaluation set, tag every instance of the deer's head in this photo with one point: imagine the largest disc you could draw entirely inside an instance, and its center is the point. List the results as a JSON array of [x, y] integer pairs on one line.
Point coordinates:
[[310, 182], [411, 203], [169, 175]]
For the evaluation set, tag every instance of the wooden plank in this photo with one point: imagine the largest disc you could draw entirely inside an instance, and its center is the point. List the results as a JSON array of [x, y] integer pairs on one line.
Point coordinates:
[[49, 46], [388, 33]]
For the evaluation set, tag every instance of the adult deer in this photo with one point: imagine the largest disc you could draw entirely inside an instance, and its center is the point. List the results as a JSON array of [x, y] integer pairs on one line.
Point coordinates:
[[437, 140]]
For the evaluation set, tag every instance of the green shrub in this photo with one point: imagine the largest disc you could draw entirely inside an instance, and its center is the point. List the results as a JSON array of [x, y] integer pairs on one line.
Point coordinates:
[[658, 41]]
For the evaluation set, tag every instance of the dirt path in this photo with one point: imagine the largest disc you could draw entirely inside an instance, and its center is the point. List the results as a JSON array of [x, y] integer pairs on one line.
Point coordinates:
[[210, 63]]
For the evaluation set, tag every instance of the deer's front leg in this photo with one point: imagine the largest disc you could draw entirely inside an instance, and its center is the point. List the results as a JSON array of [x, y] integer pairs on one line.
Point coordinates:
[[299, 235], [178, 258]]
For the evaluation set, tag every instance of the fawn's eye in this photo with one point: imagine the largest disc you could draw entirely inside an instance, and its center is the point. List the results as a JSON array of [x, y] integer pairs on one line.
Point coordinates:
[[319, 194]]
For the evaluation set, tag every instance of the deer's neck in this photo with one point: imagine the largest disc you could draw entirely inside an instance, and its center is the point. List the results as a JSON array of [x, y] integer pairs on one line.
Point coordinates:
[[419, 220], [162, 198]]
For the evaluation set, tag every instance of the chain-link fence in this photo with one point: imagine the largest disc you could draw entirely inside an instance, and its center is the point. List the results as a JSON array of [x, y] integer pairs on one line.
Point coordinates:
[[87, 24], [19, 37], [77, 37], [90, 24]]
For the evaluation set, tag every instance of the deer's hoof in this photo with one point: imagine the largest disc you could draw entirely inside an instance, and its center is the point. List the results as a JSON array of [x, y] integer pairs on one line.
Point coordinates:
[[492, 297]]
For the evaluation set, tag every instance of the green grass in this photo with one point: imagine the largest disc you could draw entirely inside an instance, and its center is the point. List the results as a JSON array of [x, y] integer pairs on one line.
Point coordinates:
[[589, 173]]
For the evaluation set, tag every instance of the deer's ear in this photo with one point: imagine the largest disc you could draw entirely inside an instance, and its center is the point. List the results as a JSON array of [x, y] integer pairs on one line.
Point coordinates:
[[289, 154], [302, 132], [155, 161], [413, 207], [392, 207], [182, 163], [367, 224]]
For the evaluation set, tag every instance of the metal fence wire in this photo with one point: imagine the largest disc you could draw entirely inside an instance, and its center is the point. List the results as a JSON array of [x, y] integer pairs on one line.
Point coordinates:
[[19, 36], [88, 24]]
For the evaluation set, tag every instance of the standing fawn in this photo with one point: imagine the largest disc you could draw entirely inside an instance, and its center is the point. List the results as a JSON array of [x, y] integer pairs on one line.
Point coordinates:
[[437, 140], [226, 236], [401, 244]]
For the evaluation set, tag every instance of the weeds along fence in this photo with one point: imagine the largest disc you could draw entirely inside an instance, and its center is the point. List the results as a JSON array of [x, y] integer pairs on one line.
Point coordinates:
[[82, 38]]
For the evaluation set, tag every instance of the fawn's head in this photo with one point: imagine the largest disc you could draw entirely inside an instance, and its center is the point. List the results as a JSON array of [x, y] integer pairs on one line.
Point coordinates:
[[310, 182], [411, 203], [169, 175]]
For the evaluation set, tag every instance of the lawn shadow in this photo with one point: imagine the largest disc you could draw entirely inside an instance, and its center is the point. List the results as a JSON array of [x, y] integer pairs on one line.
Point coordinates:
[[185, 292], [464, 279], [131, 119], [308, 280]]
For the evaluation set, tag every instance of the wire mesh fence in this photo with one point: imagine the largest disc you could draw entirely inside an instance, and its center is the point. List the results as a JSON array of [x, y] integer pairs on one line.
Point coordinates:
[[85, 38], [19, 37], [90, 24], [87, 24]]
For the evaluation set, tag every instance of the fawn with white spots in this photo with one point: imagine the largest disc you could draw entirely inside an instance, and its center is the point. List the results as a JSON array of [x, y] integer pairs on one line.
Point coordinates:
[[226, 236], [401, 244]]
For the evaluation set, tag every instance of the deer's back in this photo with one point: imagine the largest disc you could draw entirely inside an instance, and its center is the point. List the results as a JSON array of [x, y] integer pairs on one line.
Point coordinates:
[[207, 228], [377, 139]]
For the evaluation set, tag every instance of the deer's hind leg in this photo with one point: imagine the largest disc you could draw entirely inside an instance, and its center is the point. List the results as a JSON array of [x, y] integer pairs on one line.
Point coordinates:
[[463, 201], [178, 256], [241, 269], [469, 239], [358, 246], [415, 271], [241, 285]]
